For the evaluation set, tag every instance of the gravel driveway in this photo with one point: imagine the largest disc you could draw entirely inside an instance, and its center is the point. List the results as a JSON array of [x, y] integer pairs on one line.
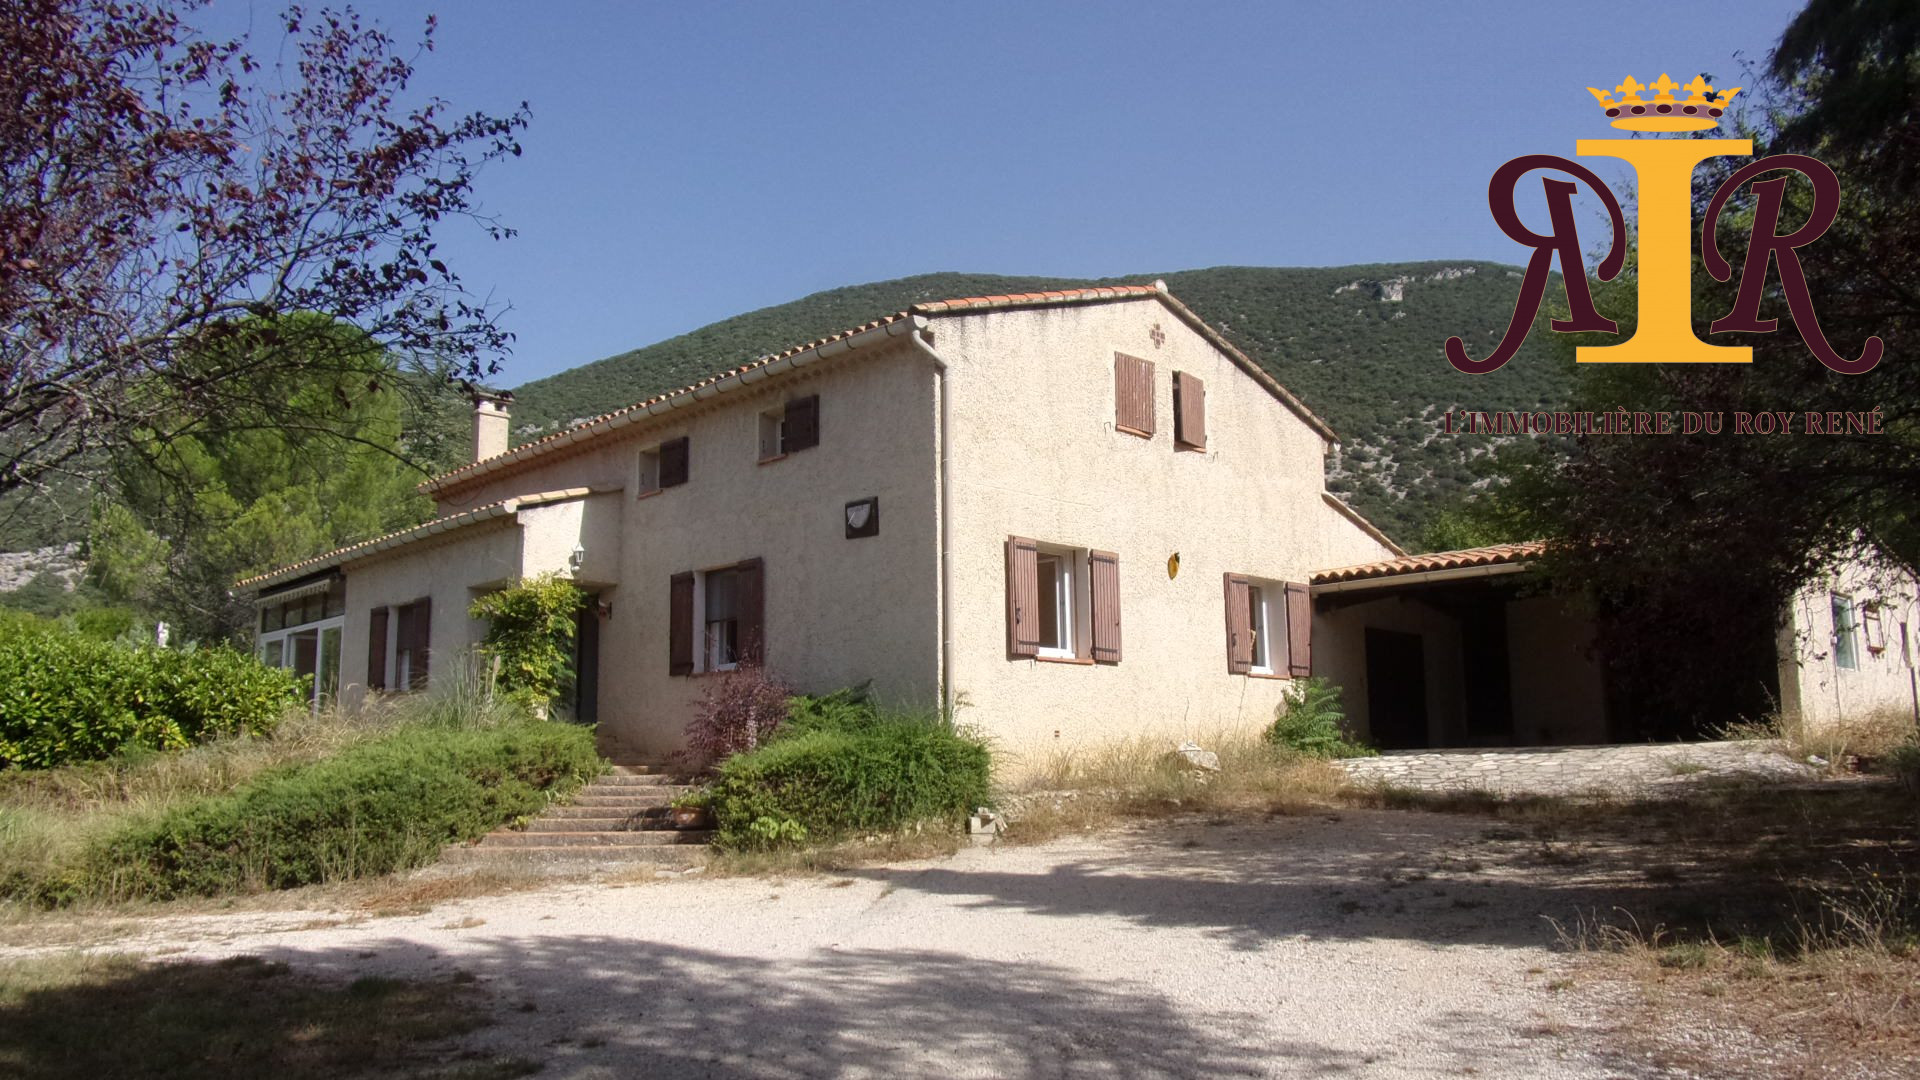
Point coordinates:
[[1358, 943]]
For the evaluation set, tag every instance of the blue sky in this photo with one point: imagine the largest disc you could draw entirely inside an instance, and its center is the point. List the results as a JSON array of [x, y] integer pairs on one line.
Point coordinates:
[[691, 161]]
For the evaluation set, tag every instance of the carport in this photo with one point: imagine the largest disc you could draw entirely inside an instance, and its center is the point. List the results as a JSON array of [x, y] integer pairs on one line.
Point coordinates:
[[1459, 648]]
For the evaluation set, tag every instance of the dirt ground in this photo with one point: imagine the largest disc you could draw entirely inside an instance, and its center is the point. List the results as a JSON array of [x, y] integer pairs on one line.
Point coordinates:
[[1354, 942]]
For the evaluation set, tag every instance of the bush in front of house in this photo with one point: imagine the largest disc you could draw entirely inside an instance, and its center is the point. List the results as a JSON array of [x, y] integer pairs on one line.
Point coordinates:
[[738, 711], [1308, 721], [842, 767], [530, 631], [69, 696], [387, 804]]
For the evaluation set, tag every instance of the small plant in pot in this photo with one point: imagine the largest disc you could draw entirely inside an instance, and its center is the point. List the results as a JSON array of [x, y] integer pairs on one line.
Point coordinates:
[[690, 811]]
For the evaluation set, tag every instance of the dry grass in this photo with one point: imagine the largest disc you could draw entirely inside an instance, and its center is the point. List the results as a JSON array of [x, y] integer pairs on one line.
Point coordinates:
[[48, 815], [82, 1016], [906, 847], [1760, 932], [1077, 791], [1840, 997], [1865, 740]]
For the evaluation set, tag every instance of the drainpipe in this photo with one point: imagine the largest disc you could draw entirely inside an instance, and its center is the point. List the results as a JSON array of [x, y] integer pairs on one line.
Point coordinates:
[[919, 339]]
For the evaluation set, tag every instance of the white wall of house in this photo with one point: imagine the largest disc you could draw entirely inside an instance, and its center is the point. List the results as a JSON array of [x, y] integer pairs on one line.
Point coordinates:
[[1831, 672], [837, 610], [1340, 654], [451, 570], [1036, 454]]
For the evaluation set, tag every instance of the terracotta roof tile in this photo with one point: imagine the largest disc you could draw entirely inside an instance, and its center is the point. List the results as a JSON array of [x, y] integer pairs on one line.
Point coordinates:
[[472, 472], [1495, 555], [339, 556]]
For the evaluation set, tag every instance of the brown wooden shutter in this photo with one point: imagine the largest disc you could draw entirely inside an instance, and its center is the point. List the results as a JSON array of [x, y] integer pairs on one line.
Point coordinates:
[[377, 649], [1023, 597], [423, 646], [1239, 630], [673, 462], [1189, 412], [1133, 394], [803, 423], [680, 625], [1105, 580], [752, 613], [1299, 630]]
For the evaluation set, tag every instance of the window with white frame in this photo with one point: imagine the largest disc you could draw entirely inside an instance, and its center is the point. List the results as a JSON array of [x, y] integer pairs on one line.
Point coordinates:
[[715, 618], [301, 630], [1846, 649], [1261, 618], [720, 619], [647, 471], [773, 430], [1061, 586]]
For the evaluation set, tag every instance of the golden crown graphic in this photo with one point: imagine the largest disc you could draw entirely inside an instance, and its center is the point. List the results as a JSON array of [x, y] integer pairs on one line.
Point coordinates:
[[1663, 111]]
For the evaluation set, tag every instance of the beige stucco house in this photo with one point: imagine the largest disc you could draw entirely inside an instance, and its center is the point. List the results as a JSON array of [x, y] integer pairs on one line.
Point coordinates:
[[1079, 515]]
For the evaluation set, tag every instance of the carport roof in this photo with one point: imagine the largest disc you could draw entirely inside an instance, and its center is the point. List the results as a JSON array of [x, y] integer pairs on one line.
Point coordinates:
[[1496, 555]]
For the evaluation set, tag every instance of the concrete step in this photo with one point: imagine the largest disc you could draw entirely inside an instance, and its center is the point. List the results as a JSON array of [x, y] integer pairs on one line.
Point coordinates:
[[622, 809], [507, 838], [622, 823], [636, 799], [635, 780], [664, 855]]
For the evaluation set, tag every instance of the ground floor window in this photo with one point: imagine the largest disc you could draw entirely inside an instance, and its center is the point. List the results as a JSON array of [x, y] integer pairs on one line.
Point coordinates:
[[1259, 622], [1846, 650], [309, 650], [715, 618], [1063, 603]]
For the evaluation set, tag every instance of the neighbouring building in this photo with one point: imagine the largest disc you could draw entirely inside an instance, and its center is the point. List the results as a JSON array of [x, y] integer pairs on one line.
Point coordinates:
[[1077, 515]]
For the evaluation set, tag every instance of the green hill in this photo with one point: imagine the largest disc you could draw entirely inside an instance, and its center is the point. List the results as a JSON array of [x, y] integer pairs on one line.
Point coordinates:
[[1360, 344]]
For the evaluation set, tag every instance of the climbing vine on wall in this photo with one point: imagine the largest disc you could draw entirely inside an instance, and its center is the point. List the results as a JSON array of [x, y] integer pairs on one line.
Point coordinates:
[[530, 629]]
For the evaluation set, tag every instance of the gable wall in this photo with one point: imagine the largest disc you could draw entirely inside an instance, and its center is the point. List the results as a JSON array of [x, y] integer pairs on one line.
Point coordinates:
[[1036, 454]]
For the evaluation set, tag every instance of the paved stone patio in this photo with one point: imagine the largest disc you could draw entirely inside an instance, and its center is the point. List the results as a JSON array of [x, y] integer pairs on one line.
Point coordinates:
[[1641, 769]]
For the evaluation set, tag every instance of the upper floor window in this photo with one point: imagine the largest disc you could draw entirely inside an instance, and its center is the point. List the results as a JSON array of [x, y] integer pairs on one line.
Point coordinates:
[[1133, 395], [791, 428], [1189, 412], [662, 466]]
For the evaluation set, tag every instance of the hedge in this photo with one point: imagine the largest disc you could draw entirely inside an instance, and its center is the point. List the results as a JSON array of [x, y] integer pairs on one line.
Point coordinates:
[[381, 806], [844, 771], [66, 696]]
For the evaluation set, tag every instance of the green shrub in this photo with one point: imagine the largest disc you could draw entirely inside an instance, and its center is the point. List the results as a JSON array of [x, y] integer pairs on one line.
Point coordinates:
[[1309, 722], [530, 629], [66, 696], [842, 767], [380, 806]]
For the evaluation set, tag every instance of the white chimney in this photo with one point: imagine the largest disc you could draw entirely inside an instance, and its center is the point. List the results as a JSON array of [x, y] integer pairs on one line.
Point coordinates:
[[490, 416]]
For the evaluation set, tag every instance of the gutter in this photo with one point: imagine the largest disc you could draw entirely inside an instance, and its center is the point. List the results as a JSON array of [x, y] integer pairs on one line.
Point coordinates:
[[948, 696], [1457, 573]]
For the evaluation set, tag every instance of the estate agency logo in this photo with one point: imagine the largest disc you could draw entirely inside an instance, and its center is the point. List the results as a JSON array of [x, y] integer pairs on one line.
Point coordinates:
[[1665, 167]]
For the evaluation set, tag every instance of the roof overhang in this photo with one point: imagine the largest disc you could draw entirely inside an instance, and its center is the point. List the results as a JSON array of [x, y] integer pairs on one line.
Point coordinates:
[[873, 334], [879, 332], [1496, 560], [1427, 577], [505, 508]]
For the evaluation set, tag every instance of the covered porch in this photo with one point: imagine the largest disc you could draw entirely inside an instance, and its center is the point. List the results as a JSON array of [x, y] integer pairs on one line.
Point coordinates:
[[1459, 649]]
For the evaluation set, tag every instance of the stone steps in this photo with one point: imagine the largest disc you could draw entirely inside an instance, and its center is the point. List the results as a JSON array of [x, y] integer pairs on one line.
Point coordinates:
[[508, 838], [622, 816]]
